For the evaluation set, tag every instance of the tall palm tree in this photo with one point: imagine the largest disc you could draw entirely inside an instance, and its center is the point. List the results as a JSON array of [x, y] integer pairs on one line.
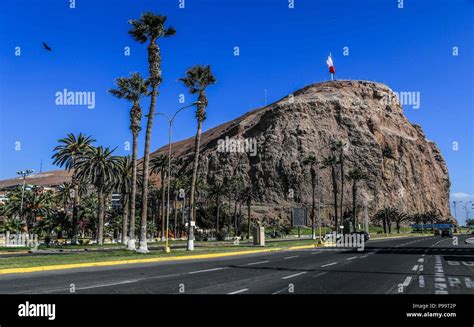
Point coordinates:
[[124, 185], [216, 191], [386, 215], [66, 154], [159, 165], [338, 148], [398, 218], [313, 163], [99, 167], [249, 195], [197, 79], [330, 161], [149, 27], [355, 175], [132, 89]]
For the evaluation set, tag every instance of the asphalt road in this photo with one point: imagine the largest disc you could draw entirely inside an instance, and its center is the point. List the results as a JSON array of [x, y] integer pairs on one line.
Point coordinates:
[[415, 265]]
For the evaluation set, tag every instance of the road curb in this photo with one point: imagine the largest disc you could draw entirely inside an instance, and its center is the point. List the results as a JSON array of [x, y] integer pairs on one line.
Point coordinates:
[[132, 261]]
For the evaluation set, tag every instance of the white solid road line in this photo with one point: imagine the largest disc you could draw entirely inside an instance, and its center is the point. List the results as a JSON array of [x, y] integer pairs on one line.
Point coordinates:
[[257, 263], [293, 256], [106, 285], [294, 275], [239, 291], [407, 281], [329, 264], [351, 258], [205, 270], [421, 281]]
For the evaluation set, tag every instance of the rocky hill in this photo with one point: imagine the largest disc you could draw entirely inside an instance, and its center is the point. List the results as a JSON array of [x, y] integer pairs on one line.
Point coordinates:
[[404, 169]]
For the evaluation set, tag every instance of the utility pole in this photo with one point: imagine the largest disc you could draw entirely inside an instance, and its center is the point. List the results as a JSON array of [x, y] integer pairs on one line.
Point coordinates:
[[23, 174], [170, 122], [454, 203]]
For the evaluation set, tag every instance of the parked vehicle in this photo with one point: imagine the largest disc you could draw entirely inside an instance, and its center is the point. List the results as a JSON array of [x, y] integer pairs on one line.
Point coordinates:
[[446, 233]]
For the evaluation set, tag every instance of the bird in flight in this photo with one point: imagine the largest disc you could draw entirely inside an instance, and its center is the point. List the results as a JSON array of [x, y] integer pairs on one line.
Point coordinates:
[[47, 47]]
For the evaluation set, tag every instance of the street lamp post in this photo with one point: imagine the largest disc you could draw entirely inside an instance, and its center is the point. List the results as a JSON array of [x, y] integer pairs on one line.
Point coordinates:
[[170, 122], [23, 174], [454, 204], [467, 209]]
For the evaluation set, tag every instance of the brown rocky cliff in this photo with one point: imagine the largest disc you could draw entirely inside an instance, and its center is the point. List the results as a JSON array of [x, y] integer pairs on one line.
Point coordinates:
[[405, 170]]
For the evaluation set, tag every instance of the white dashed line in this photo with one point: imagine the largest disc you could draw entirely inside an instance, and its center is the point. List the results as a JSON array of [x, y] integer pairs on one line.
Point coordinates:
[[421, 281], [415, 268], [351, 258], [329, 264], [293, 256], [407, 281], [205, 270], [239, 291], [421, 260], [294, 275], [257, 263]]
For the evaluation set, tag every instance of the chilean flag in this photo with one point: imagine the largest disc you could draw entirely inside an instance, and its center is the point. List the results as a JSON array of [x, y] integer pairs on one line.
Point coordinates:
[[330, 65]]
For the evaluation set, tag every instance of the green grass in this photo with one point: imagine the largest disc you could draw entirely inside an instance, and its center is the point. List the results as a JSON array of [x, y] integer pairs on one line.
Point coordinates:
[[13, 249], [94, 256]]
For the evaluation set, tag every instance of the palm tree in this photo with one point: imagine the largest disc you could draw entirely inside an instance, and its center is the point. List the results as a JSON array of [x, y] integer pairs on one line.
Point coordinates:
[[355, 175], [124, 185], [99, 167], [197, 79], [248, 195], [132, 89], [433, 217], [67, 153], [398, 218], [331, 162], [216, 191], [149, 27], [159, 165], [386, 215], [313, 163], [338, 147]]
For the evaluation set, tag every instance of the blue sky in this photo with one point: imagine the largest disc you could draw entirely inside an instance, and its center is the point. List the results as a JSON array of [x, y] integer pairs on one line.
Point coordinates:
[[281, 50]]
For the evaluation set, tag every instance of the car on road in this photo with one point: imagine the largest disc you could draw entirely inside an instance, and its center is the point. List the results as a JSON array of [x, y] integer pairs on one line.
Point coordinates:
[[446, 233], [363, 234]]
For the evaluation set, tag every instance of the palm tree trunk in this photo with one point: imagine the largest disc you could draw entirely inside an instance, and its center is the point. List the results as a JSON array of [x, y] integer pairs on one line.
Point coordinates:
[[341, 159], [354, 206], [249, 220], [133, 194], [218, 205], [175, 209], [163, 204], [334, 191], [126, 210], [313, 205], [146, 163], [197, 143], [75, 206], [100, 214]]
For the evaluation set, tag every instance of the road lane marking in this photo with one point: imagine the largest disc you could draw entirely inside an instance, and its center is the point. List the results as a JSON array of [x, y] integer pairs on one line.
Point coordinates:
[[415, 268], [257, 263], [293, 256], [205, 270], [440, 281], [106, 285], [315, 252], [421, 260], [407, 281], [239, 291], [421, 281], [294, 275], [351, 258], [329, 264]]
